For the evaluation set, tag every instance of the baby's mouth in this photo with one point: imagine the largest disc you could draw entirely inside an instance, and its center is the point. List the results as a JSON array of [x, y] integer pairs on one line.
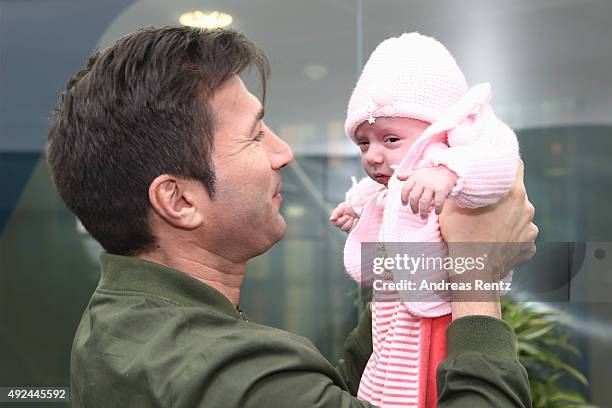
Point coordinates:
[[382, 178]]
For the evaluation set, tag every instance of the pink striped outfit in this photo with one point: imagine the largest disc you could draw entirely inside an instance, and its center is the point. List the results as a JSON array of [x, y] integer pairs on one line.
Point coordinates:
[[415, 76]]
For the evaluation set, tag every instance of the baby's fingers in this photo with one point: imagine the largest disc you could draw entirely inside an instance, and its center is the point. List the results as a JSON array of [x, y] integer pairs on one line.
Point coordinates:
[[338, 211], [406, 189], [348, 225], [439, 201], [425, 202], [404, 175], [340, 221], [415, 196]]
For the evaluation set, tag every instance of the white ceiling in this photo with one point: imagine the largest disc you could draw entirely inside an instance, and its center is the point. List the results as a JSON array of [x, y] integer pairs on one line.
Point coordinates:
[[549, 61]]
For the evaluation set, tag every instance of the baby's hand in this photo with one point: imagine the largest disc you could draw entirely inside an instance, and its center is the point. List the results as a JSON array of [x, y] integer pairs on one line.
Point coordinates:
[[427, 184], [344, 217]]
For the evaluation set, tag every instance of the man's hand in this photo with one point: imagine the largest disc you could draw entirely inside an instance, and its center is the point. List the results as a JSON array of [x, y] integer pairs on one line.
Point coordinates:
[[508, 220], [504, 231]]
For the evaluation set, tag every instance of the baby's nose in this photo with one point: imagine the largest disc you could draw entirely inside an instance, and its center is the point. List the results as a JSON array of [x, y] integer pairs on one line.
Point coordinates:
[[374, 155]]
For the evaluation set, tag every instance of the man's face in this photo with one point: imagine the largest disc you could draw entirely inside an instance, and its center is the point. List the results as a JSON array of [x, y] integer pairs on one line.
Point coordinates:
[[247, 156]]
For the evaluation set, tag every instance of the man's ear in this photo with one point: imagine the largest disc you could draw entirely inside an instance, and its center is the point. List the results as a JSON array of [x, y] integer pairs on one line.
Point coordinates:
[[173, 199]]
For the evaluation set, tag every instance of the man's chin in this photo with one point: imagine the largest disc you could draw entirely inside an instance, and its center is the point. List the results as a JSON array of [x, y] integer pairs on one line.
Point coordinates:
[[274, 235], [282, 228]]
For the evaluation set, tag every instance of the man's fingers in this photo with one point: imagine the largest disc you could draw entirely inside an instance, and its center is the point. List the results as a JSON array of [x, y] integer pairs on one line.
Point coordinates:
[[519, 185], [534, 232], [527, 252], [415, 195], [520, 174], [530, 210]]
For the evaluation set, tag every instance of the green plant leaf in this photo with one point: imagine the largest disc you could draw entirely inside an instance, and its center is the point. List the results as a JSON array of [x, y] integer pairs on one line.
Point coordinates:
[[562, 343], [574, 373], [540, 337], [536, 332], [568, 397]]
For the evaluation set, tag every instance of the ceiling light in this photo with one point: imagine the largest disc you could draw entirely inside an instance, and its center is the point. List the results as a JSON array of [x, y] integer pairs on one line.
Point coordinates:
[[315, 72], [203, 20]]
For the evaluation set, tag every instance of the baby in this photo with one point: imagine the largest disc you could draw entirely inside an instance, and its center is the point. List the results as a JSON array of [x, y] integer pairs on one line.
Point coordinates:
[[424, 137]]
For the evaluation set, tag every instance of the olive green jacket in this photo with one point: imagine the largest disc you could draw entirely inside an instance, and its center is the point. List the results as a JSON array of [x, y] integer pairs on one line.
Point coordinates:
[[152, 336]]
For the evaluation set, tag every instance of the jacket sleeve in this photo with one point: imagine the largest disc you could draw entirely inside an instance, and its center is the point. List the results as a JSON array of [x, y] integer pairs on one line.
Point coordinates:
[[486, 169], [357, 351], [482, 367], [360, 194]]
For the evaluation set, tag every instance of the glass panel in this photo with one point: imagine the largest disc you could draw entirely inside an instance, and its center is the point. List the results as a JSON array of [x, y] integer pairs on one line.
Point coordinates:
[[549, 64]]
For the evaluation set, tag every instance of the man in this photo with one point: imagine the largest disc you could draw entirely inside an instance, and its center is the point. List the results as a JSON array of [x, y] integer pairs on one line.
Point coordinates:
[[161, 151]]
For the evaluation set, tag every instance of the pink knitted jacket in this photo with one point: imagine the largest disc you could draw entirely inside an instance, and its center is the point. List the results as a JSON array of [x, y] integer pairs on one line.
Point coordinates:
[[470, 140]]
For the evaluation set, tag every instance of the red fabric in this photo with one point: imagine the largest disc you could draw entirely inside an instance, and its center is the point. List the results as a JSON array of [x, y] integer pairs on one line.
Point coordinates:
[[433, 352]]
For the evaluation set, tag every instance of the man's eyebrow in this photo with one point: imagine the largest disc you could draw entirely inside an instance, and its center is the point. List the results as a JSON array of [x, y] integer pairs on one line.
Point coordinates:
[[258, 117]]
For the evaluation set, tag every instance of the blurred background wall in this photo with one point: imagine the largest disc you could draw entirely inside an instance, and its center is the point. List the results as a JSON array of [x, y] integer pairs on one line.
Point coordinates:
[[549, 63]]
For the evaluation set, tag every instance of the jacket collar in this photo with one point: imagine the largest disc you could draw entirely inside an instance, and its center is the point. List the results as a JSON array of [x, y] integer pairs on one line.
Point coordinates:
[[130, 274]]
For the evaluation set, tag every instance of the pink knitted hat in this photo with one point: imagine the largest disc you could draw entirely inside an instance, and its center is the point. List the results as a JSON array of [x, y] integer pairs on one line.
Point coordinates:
[[412, 76]]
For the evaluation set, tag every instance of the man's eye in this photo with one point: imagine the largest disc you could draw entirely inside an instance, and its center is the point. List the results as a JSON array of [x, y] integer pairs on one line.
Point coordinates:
[[260, 136]]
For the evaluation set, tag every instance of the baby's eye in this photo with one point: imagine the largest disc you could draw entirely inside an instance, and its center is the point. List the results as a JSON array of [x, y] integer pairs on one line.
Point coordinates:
[[391, 139], [363, 144]]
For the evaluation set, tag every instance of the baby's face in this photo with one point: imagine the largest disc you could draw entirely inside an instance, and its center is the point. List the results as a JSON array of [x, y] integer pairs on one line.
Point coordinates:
[[385, 143]]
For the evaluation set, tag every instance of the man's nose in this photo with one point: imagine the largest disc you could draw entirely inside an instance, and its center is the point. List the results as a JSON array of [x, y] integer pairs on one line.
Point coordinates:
[[279, 151]]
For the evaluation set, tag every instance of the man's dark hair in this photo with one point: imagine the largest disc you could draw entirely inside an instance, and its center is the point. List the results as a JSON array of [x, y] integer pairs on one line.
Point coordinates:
[[139, 109]]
